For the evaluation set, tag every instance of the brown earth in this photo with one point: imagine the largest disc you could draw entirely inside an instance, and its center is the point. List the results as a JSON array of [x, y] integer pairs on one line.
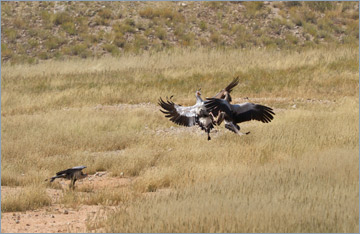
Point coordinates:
[[57, 217]]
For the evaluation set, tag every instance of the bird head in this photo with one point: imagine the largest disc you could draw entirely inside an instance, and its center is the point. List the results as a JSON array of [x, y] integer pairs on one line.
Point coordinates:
[[198, 93]]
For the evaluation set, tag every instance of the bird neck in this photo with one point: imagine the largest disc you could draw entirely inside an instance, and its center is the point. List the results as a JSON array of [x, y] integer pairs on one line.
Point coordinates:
[[198, 99]]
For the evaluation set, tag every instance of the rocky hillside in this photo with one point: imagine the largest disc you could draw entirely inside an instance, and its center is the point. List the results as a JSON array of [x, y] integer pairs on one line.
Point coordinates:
[[33, 31]]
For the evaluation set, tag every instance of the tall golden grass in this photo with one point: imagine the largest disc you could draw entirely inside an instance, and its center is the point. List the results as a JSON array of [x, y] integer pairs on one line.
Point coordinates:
[[298, 173]]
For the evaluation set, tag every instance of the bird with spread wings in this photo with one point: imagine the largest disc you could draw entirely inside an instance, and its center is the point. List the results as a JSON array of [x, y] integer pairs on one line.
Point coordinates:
[[197, 114]]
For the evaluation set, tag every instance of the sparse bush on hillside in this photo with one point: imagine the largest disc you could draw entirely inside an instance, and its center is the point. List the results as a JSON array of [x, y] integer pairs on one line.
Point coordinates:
[[11, 34], [5, 51], [160, 33], [166, 13], [19, 23], [253, 9], [112, 49], [176, 25], [62, 17], [140, 43], [69, 27], [202, 25], [321, 6], [105, 13], [119, 40], [54, 42]]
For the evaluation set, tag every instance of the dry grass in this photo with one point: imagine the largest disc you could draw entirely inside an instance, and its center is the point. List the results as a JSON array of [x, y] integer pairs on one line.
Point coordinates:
[[297, 174], [29, 198]]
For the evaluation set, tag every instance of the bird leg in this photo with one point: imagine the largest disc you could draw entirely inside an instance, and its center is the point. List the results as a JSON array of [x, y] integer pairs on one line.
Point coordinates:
[[219, 118], [72, 183], [231, 126]]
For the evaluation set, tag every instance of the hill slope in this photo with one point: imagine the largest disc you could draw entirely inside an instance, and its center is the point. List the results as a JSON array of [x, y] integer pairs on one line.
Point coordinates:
[[33, 31]]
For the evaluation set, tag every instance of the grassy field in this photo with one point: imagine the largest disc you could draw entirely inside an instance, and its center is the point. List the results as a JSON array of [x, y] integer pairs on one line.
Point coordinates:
[[299, 173]]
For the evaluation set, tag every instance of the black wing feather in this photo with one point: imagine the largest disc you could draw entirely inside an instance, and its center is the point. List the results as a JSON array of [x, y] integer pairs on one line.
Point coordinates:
[[171, 112], [228, 89], [259, 112], [215, 105]]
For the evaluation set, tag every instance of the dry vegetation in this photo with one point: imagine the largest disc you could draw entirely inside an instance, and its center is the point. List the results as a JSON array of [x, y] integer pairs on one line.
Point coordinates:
[[80, 83], [299, 173], [35, 31]]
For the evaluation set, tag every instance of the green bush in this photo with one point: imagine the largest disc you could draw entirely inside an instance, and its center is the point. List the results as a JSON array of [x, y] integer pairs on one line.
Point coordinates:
[[114, 50], [19, 23], [54, 42], [6, 52], [69, 27], [119, 40], [123, 28], [160, 33], [321, 6], [202, 25], [140, 43], [101, 21], [166, 13], [11, 34], [61, 18], [105, 13]]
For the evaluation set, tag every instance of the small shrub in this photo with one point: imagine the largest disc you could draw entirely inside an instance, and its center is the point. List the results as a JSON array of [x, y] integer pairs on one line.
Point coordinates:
[[292, 3], [166, 13], [61, 18], [215, 37], [140, 43], [54, 43], [202, 25], [101, 21], [114, 50], [321, 6], [187, 39], [160, 33], [6, 52], [78, 49], [311, 29], [43, 55], [69, 27], [33, 43], [46, 17], [119, 40], [148, 13], [253, 9], [291, 38], [11, 34], [19, 23], [123, 28], [130, 22], [105, 13]]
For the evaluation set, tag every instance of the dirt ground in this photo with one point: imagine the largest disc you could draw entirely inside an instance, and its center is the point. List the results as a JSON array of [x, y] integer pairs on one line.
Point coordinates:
[[58, 218]]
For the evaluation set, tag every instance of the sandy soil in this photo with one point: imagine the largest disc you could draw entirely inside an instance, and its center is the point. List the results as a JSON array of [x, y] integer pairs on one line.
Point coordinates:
[[58, 218]]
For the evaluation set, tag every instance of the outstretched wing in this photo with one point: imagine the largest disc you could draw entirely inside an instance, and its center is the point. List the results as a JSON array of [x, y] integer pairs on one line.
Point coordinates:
[[78, 168], [215, 105], [228, 89], [250, 111], [180, 115]]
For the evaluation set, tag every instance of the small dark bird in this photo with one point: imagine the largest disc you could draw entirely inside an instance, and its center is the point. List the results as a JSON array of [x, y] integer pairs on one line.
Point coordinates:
[[72, 174]]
